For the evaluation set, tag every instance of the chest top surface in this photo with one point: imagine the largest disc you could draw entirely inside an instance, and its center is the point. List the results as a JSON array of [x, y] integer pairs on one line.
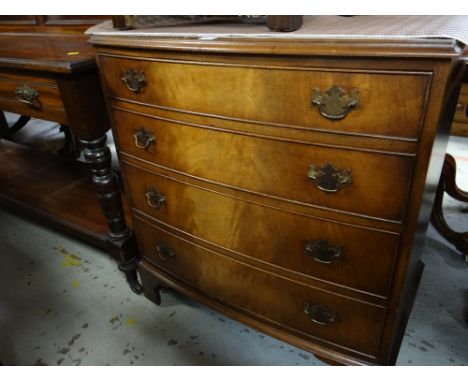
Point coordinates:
[[408, 36]]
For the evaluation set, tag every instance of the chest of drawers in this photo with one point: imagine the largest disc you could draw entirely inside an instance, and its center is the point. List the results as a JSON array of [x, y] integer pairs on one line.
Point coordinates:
[[286, 184]]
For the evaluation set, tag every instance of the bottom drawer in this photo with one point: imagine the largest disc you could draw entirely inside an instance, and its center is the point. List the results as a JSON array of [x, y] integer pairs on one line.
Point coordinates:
[[308, 312]]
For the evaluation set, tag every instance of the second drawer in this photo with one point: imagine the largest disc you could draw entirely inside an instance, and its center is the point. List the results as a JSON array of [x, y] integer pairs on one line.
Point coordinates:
[[373, 184], [355, 257]]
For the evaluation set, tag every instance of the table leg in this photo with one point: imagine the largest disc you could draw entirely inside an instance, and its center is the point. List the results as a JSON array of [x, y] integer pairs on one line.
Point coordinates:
[[122, 243], [447, 183]]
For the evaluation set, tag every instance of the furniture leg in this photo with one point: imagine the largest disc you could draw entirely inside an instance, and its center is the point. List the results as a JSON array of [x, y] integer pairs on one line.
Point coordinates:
[[121, 240], [6, 131], [71, 149], [448, 184]]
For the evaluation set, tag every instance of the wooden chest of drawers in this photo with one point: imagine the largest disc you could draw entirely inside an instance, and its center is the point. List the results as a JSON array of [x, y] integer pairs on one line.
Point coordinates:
[[287, 187]]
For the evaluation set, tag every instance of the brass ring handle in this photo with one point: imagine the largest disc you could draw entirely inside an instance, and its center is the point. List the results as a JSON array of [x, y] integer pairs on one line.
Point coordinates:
[[143, 139], [164, 252], [320, 314], [323, 252], [335, 103], [328, 178], [28, 95], [134, 79], [154, 198]]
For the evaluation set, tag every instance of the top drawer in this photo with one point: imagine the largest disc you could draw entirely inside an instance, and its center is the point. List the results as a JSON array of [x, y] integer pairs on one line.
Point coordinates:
[[385, 103]]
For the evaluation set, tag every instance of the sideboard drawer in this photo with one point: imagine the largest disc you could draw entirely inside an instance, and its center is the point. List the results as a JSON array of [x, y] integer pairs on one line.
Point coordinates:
[[353, 324], [31, 96], [345, 101], [43, 93], [356, 181], [351, 256]]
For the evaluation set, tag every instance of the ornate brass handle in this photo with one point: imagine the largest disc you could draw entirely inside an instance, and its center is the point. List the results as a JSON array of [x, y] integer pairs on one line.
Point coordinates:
[[335, 103], [164, 252], [155, 198], [134, 79], [320, 314], [28, 95], [323, 252], [328, 178], [143, 139]]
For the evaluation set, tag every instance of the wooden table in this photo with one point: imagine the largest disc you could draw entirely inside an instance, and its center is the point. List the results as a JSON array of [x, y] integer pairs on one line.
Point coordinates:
[[54, 77]]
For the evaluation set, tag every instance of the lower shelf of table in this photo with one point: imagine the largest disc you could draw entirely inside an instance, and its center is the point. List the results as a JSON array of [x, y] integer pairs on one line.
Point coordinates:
[[53, 191]]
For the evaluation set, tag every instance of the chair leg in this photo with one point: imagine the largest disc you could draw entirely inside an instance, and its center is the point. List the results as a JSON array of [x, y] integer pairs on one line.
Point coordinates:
[[71, 150], [447, 183], [6, 131]]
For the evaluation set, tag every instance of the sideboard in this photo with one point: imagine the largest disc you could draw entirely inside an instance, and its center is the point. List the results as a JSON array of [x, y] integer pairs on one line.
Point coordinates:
[[53, 76]]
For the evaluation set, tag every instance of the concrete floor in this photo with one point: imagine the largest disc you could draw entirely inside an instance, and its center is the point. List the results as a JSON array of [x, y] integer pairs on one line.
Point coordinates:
[[65, 303]]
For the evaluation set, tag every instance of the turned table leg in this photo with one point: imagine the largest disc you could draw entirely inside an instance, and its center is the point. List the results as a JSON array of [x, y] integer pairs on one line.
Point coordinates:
[[447, 183], [122, 244]]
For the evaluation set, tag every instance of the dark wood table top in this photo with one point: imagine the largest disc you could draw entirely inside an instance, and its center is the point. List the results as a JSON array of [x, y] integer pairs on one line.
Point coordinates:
[[58, 53]]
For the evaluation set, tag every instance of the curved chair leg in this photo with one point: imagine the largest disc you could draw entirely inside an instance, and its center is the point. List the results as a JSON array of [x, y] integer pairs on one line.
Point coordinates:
[[6, 131], [447, 183], [71, 150]]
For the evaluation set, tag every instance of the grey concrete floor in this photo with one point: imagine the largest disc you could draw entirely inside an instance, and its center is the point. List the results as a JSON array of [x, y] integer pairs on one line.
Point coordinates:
[[65, 303]]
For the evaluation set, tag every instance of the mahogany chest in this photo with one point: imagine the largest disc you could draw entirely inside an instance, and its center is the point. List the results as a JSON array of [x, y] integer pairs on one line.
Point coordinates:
[[287, 184]]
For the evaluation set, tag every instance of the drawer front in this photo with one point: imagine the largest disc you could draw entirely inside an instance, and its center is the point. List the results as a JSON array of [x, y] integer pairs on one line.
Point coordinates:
[[351, 324], [352, 102], [17, 88], [36, 97], [351, 256], [377, 186]]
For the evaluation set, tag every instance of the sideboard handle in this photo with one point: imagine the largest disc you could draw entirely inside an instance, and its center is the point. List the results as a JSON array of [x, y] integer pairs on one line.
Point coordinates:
[[155, 198], [143, 139], [320, 314], [335, 103], [28, 96], [323, 252], [328, 178], [134, 79]]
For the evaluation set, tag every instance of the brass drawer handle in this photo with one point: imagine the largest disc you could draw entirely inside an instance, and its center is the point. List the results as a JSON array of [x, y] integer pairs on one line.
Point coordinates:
[[164, 252], [328, 178], [143, 139], [335, 103], [320, 314], [134, 79], [155, 198], [28, 95], [323, 252]]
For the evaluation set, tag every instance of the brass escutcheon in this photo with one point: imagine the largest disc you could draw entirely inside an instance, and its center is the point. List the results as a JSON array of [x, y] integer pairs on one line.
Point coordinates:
[[28, 95], [134, 79], [323, 252], [328, 178], [164, 252], [320, 314], [335, 103], [154, 198], [143, 139]]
